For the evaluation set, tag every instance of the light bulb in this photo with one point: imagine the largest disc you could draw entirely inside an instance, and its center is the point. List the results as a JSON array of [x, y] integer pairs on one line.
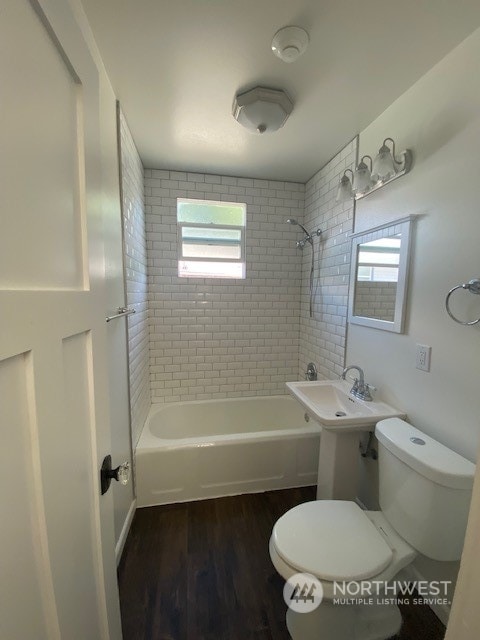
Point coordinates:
[[383, 165], [344, 192], [362, 178]]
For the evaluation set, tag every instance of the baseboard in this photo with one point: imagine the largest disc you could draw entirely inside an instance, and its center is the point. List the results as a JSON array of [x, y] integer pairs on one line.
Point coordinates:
[[442, 611], [125, 529], [361, 505]]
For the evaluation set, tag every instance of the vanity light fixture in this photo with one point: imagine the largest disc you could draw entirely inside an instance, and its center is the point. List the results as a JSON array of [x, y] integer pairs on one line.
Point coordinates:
[[384, 169], [362, 177], [386, 166], [345, 189]]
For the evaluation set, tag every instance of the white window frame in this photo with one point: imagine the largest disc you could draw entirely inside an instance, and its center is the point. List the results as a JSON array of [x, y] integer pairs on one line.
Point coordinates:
[[208, 225], [195, 225]]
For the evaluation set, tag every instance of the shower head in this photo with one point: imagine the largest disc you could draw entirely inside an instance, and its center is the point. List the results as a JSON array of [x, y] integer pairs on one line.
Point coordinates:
[[308, 237]]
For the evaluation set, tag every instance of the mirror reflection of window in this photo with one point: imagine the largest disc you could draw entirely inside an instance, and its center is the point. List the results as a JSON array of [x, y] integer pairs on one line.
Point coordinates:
[[377, 277], [378, 260]]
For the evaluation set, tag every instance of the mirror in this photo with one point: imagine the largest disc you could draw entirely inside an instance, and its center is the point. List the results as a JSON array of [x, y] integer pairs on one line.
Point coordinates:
[[378, 279]]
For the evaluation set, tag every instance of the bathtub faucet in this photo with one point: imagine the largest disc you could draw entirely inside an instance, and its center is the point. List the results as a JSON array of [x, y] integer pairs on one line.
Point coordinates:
[[311, 373]]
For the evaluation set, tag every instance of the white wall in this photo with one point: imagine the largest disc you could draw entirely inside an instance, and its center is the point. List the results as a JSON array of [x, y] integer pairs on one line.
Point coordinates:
[[439, 119], [217, 338], [322, 338]]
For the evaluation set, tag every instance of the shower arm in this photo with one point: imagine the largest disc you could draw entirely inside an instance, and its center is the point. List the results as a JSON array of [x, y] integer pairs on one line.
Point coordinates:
[[301, 244], [308, 236], [304, 230]]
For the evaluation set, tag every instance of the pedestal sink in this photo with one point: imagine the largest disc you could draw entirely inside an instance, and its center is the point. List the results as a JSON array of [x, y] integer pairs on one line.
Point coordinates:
[[343, 418]]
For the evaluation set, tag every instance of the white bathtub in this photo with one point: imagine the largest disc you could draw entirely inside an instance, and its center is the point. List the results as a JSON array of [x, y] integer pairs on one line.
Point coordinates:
[[211, 448]]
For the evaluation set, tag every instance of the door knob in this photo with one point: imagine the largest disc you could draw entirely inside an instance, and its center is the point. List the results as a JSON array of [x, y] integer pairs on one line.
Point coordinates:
[[120, 474]]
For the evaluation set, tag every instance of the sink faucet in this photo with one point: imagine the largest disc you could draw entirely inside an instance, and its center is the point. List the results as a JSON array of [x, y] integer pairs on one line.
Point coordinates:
[[360, 389]]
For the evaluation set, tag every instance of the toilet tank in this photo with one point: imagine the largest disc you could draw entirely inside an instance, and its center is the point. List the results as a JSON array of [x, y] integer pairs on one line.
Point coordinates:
[[425, 489]]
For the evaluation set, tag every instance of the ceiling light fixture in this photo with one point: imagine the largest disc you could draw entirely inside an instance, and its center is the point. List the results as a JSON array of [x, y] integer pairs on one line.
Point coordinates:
[[290, 43], [384, 169], [262, 110]]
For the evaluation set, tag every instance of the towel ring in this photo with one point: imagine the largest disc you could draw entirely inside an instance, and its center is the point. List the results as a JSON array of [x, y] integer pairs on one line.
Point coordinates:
[[473, 286]]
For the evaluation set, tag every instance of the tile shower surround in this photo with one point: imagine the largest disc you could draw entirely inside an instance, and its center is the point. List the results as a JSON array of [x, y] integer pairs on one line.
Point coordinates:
[[216, 338], [323, 337], [375, 300], [135, 250]]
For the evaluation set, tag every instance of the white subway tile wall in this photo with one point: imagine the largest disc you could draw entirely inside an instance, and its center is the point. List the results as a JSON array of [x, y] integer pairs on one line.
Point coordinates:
[[135, 250], [216, 338], [376, 300], [322, 338]]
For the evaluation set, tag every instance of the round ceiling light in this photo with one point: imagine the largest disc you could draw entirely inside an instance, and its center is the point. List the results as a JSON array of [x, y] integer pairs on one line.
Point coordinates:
[[262, 110], [290, 43]]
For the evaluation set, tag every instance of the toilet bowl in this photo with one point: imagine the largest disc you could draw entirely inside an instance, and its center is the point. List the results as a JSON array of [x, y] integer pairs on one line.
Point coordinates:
[[425, 492], [316, 538]]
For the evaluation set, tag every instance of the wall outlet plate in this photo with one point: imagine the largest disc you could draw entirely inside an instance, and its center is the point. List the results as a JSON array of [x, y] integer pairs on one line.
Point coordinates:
[[423, 355]]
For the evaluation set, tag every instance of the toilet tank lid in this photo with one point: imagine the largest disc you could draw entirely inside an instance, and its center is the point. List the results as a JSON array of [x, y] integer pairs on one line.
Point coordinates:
[[432, 460]]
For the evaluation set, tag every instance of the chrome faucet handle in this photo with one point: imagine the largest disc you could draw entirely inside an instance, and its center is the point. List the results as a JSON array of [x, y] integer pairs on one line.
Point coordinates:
[[366, 395], [370, 390], [361, 390], [311, 373]]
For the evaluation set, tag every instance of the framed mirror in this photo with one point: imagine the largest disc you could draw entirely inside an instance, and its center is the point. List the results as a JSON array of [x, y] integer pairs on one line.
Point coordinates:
[[379, 276]]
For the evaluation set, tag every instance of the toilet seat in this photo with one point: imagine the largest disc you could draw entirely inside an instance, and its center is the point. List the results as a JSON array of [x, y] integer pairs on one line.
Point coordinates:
[[332, 620], [402, 554], [332, 539]]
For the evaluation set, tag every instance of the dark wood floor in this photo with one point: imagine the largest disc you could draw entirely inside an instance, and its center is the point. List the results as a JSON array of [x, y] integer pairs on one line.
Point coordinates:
[[202, 571]]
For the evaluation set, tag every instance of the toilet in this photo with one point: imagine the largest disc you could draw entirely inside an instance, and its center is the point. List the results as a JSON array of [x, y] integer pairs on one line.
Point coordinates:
[[424, 490]]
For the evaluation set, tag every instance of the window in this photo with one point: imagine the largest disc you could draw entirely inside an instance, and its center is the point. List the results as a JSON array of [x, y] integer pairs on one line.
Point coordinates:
[[378, 260], [211, 239]]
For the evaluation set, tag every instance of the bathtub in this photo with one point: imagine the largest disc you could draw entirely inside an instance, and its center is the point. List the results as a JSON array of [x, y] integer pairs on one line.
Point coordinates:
[[212, 448]]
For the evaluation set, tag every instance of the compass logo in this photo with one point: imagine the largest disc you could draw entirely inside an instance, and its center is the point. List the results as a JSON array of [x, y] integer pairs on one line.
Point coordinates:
[[303, 592]]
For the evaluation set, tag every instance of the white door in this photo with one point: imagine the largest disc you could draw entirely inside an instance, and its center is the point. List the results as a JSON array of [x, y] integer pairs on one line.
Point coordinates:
[[464, 622], [57, 563]]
